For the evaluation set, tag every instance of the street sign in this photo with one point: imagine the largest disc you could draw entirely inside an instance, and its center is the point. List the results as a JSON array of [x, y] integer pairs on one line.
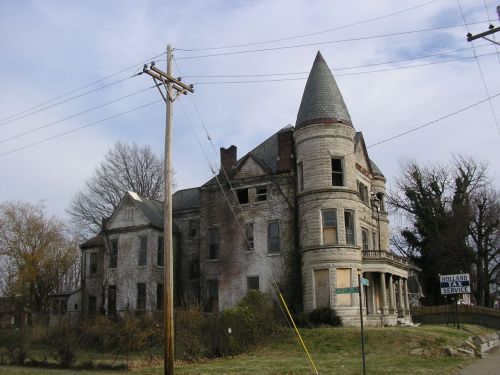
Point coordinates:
[[454, 284], [351, 290], [365, 282]]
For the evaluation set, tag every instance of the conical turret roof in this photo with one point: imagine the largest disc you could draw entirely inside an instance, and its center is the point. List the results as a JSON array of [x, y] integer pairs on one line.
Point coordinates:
[[322, 101]]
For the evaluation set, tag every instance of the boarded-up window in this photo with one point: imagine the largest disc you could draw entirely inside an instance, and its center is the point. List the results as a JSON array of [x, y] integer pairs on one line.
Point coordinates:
[[330, 227], [344, 281], [321, 288]]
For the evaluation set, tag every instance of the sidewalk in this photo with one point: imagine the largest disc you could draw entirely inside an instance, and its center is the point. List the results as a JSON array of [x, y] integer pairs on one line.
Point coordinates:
[[487, 366]]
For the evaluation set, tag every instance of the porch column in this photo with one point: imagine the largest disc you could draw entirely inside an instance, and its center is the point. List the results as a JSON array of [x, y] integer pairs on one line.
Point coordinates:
[[371, 295], [406, 301], [400, 296], [391, 295], [383, 305]]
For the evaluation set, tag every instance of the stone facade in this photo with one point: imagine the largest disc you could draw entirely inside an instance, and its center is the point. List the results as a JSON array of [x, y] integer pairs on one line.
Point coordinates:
[[303, 212]]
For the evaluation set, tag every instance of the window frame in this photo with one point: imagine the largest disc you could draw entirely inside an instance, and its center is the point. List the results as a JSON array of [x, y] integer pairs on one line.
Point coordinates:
[[336, 173], [352, 233], [261, 196], [160, 252], [141, 299], [363, 192], [249, 237], [142, 253], [113, 255], [243, 195], [93, 263], [300, 175], [213, 247], [366, 237], [271, 240], [323, 226], [251, 279]]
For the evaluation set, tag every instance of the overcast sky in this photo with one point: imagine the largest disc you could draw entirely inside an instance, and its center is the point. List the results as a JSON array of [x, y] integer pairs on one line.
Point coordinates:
[[49, 48]]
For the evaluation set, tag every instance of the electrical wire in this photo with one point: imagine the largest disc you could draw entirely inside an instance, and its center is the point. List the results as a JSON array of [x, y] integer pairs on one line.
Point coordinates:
[[78, 129], [343, 74], [25, 115], [74, 115], [341, 68], [79, 88], [480, 71], [313, 33], [491, 24], [322, 43]]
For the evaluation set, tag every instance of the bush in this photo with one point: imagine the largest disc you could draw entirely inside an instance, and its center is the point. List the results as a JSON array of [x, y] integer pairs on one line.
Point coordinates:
[[64, 341], [16, 343], [324, 316]]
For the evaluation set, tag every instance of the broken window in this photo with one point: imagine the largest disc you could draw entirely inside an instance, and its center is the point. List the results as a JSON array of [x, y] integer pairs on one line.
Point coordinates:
[[113, 256], [273, 237], [364, 238], [143, 251], [249, 236], [252, 283], [349, 227], [242, 195], [213, 243], [141, 296], [380, 197], [363, 192], [330, 236], [300, 178], [194, 270], [337, 172], [213, 295], [261, 194], [159, 296], [93, 263], [112, 300], [160, 252]]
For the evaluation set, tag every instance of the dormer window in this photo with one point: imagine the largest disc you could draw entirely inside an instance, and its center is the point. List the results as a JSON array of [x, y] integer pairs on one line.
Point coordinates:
[[242, 195], [337, 172], [261, 194]]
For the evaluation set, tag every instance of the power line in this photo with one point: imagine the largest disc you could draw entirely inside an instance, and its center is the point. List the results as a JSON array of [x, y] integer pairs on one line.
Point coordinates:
[[314, 33], [491, 25], [63, 101], [73, 116], [79, 88], [480, 71], [340, 68], [342, 74], [412, 130], [79, 128], [321, 43]]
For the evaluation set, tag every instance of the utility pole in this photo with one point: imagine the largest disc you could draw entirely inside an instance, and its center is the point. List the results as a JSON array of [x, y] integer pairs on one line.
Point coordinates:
[[173, 87], [491, 30]]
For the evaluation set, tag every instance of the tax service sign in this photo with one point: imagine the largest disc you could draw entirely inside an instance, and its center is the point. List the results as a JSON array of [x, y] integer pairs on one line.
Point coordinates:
[[454, 284]]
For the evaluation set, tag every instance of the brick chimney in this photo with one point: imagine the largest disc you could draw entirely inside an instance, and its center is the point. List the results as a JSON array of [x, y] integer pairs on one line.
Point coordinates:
[[228, 159], [285, 150]]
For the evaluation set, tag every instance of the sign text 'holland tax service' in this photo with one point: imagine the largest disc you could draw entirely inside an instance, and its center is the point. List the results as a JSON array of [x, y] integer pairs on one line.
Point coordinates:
[[454, 284]]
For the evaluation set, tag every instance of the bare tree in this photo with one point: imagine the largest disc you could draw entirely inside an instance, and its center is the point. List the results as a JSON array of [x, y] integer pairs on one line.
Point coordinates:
[[125, 168], [485, 234], [35, 251]]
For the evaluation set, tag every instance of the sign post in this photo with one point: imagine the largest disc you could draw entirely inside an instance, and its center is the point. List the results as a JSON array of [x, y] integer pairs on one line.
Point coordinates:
[[455, 284], [360, 288]]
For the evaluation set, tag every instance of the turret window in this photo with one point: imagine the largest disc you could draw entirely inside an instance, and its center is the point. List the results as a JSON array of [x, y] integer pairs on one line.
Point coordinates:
[[300, 173], [330, 227], [337, 172], [363, 192], [349, 227]]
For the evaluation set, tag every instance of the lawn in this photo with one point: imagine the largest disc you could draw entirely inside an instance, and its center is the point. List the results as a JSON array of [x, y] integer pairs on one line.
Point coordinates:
[[334, 350]]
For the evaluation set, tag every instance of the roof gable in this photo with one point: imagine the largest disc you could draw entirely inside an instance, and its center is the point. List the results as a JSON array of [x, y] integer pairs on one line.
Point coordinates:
[[249, 166]]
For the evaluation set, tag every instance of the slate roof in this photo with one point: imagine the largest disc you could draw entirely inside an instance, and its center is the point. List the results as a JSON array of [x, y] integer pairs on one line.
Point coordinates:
[[151, 208], [96, 241], [322, 101], [265, 154], [186, 199], [375, 169]]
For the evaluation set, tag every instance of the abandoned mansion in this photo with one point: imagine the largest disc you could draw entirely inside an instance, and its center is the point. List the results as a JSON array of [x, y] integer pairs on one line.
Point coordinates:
[[304, 210]]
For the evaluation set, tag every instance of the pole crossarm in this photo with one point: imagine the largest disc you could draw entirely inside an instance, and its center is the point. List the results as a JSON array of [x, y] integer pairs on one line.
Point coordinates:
[[471, 37]]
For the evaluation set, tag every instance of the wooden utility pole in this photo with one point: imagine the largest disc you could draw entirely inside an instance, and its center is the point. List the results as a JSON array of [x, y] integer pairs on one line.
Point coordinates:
[[173, 87]]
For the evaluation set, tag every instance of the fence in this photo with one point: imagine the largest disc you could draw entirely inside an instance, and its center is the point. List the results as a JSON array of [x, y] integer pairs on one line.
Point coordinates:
[[444, 314]]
